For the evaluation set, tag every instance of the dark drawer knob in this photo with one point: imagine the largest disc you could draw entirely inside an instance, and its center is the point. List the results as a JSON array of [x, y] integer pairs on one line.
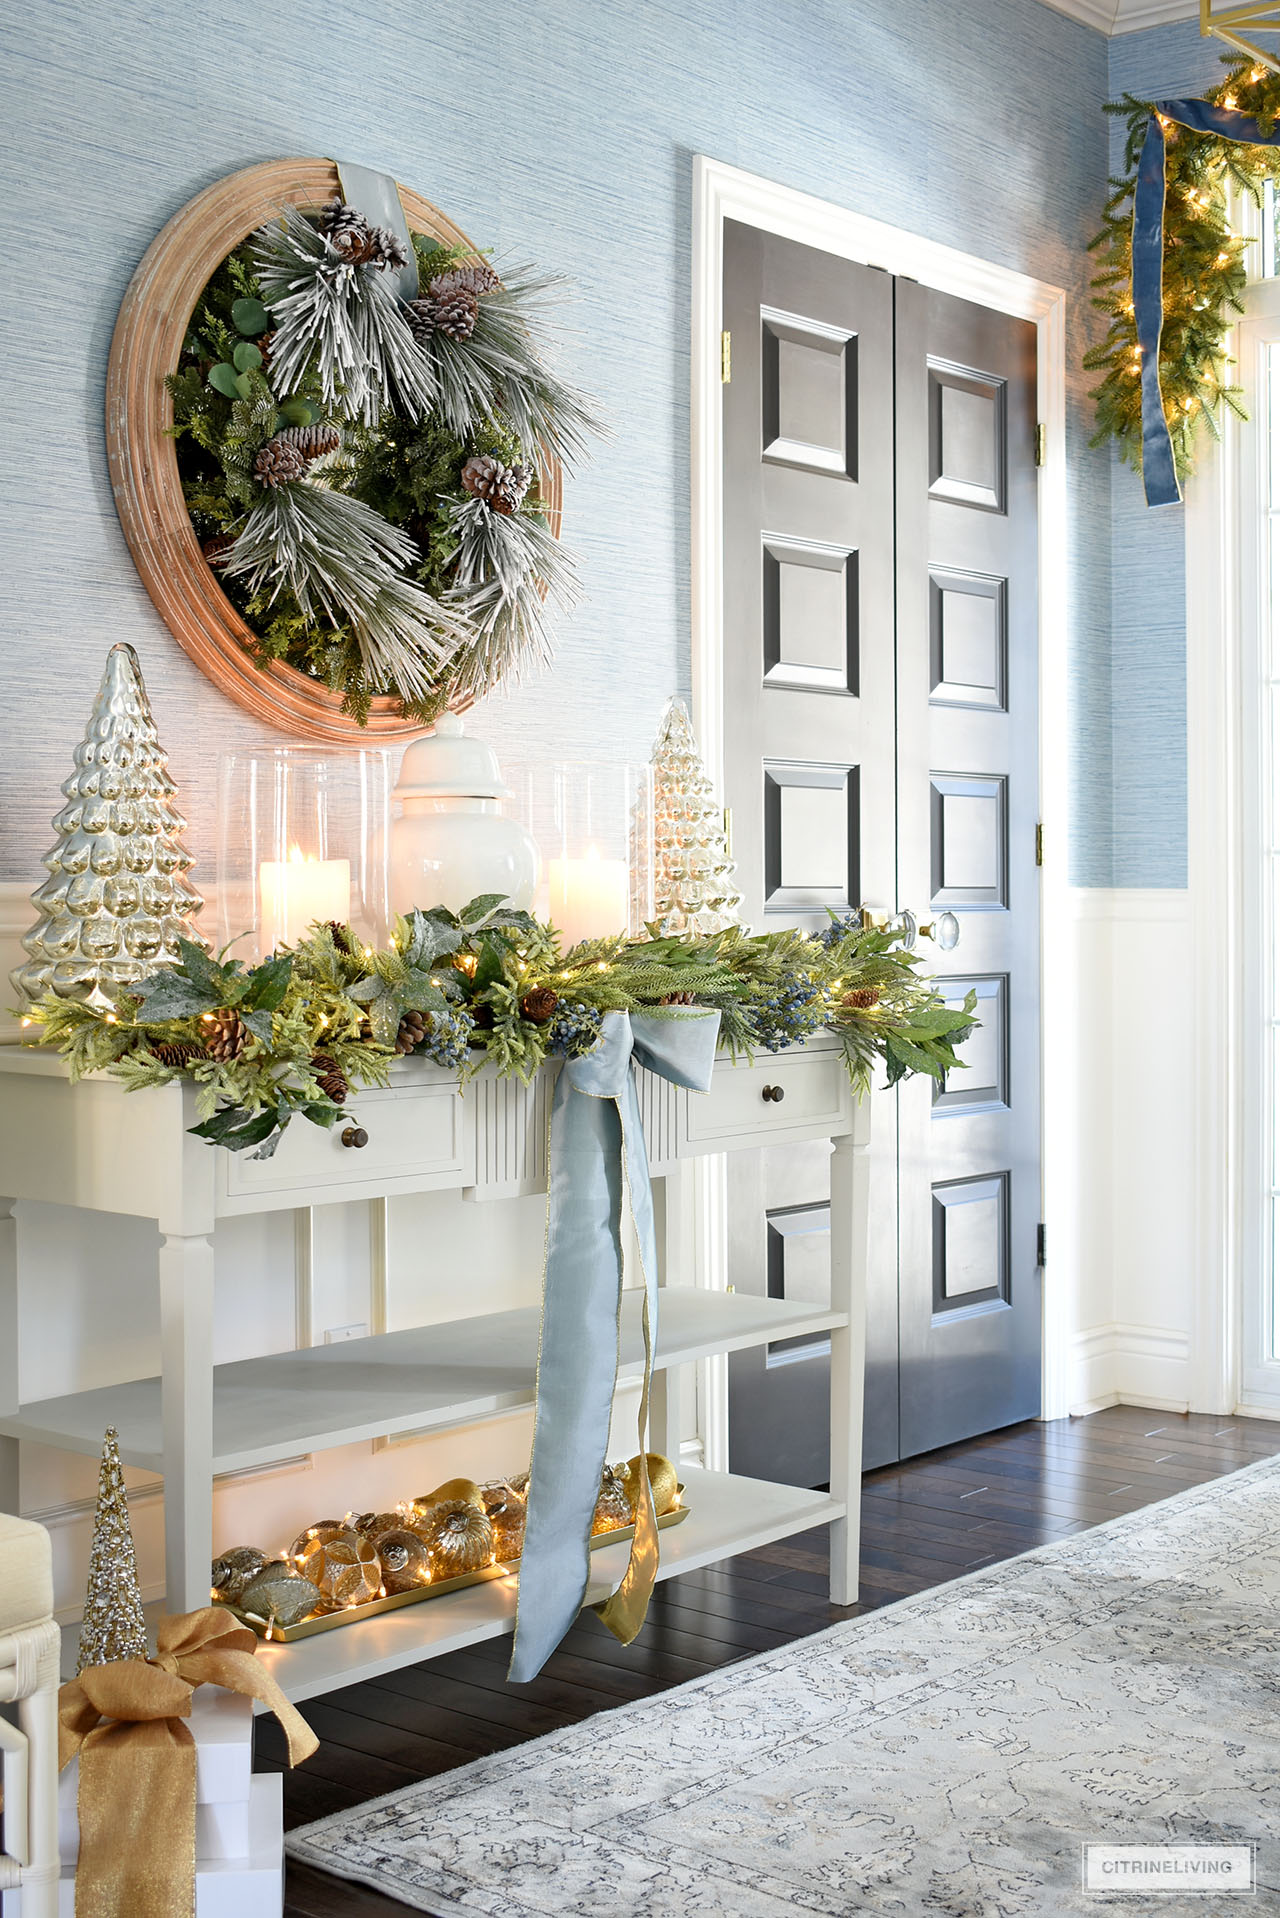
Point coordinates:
[[354, 1135], [773, 1094]]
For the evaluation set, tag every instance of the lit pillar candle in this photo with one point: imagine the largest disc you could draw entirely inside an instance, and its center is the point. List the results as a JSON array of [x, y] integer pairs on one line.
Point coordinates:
[[295, 891], [589, 897]]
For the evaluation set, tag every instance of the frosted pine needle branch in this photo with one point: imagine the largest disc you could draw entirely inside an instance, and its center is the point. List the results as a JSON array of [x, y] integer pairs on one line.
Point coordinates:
[[511, 570], [497, 377], [344, 323], [340, 558]]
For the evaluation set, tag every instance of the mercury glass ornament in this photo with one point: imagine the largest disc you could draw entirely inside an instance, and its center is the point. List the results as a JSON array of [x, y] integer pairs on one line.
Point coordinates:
[[369, 1524], [506, 1513], [613, 1508], [453, 1489], [117, 900], [404, 1557], [281, 1596], [458, 1535], [320, 1533], [231, 1571], [345, 1568], [693, 890]]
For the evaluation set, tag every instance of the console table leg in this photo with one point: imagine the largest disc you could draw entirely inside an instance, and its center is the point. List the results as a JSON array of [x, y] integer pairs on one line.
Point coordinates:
[[9, 1399], [850, 1168], [186, 1364]]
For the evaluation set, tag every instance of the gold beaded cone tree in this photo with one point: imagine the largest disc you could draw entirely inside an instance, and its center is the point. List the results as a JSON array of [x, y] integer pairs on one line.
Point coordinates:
[[113, 1626], [117, 899], [693, 889]]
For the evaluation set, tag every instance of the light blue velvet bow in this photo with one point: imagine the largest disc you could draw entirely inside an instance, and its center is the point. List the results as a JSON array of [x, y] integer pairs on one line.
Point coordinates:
[[597, 1161]]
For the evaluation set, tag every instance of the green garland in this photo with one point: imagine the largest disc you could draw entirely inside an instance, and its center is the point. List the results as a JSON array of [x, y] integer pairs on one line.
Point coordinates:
[[1204, 270], [362, 473], [487, 985]]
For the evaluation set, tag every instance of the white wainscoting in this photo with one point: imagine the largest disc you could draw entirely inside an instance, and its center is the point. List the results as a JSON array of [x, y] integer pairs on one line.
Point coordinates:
[[1133, 1292]]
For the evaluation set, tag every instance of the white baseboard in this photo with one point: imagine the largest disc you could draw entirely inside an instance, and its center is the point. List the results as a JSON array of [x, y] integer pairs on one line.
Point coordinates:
[[1130, 1365]]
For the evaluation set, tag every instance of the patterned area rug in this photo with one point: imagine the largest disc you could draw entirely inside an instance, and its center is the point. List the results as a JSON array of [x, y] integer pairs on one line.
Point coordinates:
[[944, 1756]]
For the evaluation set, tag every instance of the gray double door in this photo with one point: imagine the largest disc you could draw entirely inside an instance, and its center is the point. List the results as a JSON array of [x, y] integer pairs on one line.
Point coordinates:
[[881, 721]]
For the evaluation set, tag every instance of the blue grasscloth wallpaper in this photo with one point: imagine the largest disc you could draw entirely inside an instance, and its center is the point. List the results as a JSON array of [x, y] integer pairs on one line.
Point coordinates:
[[563, 133], [1148, 711]]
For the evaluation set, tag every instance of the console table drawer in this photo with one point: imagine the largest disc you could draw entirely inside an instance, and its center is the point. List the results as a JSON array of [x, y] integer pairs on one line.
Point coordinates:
[[785, 1093], [421, 1135]]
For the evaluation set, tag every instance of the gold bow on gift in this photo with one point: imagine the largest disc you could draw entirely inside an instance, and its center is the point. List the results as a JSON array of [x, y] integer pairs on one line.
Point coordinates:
[[137, 1795]]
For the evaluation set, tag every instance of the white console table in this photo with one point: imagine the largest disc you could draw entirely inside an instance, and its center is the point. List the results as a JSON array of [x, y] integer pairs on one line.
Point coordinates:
[[95, 1147]]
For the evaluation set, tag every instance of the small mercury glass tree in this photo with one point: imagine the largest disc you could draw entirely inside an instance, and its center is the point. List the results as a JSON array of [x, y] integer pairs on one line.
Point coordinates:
[[117, 899], [113, 1626], [693, 888]]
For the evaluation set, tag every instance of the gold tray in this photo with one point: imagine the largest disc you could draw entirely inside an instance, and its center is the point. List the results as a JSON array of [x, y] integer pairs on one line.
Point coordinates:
[[352, 1614]]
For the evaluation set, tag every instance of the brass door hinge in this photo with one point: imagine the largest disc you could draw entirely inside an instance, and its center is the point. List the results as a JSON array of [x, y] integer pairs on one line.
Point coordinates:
[[1039, 844], [726, 361], [1042, 444]]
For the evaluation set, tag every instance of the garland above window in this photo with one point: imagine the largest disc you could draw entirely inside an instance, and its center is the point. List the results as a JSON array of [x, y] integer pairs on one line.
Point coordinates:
[[1173, 272]]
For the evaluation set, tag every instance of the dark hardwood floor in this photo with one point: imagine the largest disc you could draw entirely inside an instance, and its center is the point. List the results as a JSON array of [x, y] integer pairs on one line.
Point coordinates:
[[923, 1522]]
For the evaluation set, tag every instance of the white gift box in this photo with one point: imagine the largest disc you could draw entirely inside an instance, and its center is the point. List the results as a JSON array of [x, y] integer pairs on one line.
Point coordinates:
[[239, 1819]]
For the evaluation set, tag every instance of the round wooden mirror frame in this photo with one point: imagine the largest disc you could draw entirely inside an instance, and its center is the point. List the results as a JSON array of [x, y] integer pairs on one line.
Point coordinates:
[[143, 460]]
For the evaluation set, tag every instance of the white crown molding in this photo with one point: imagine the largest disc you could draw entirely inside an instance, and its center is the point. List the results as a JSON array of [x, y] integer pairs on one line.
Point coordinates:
[[1125, 16]]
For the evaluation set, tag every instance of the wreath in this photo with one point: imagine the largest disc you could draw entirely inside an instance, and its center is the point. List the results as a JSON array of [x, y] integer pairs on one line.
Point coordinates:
[[1204, 273], [361, 425]]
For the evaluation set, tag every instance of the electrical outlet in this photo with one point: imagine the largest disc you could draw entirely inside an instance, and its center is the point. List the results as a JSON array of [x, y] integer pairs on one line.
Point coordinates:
[[337, 1334]]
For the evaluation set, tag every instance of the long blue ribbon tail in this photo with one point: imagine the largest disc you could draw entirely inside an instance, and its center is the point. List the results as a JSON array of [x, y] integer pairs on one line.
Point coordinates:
[[1159, 471], [597, 1168]]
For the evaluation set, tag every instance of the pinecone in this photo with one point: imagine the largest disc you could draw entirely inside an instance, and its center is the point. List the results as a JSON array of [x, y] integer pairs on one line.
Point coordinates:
[[348, 232], [679, 999], [538, 1005], [265, 344], [313, 442], [227, 1035], [217, 548], [387, 248], [340, 936], [452, 311], [176, 1053], [862, 998], [501, 487], [329, 1077], [476, 278], [278, 463], [411, 1033]]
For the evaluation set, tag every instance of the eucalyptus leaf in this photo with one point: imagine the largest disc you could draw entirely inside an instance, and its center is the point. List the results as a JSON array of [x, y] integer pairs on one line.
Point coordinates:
[[250, 317], [246, 356], [225, 380], [299, 413]]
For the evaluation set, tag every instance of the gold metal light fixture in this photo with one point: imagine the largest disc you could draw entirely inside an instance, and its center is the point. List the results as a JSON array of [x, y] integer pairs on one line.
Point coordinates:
[[1240, 26]]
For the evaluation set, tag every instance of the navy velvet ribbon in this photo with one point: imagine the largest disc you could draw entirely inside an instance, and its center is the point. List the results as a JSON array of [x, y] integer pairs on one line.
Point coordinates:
[[1159, 475]]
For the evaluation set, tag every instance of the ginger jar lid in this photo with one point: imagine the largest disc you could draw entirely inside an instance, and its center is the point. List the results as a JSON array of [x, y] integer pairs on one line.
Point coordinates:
[[447, 764]]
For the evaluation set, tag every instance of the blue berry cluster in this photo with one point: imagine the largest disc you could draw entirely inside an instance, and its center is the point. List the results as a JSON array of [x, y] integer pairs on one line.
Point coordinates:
[[448, 1037], [834, 931], [573, 1030], [789, 1015]]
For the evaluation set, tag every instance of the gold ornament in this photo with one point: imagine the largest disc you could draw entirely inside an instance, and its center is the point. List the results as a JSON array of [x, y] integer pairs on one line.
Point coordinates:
[[662, 1482], [112, 1626], [281, 1596], [117, 899], [506, 1513], [458, 1535], [231, 1571], [451, 1490], [404, 1557], [345, 1567], [320, 1533], [693, 890], [613, 1509], [369, 1524]]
